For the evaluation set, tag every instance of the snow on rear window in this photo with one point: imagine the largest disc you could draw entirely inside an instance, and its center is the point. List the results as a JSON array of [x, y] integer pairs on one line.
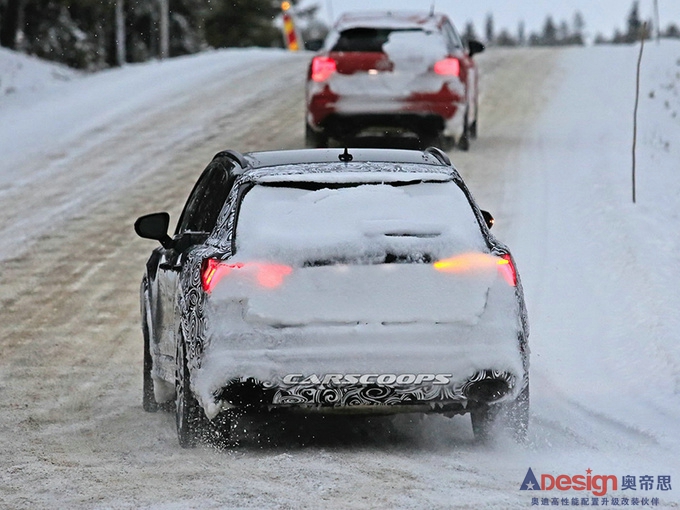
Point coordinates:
[[415, 50], [411, 222]]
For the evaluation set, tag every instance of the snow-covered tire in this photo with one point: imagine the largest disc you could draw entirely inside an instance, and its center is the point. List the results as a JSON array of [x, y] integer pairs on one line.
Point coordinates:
[[189, 416], [148, 399], [513, 416]]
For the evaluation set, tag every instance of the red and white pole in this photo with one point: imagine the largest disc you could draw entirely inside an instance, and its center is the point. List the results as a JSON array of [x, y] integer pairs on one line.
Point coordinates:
[[290, 37]]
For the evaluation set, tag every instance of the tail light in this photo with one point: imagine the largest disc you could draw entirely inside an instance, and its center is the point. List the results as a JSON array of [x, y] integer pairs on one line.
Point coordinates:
[[448, 67], [265, 274], [323, 68], [507, 269], [467, 262]]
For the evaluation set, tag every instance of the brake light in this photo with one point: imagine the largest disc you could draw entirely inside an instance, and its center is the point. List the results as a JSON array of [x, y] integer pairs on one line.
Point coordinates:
[[467, 262], [323, 68], [507, 269], [448, 67], [267, 275]]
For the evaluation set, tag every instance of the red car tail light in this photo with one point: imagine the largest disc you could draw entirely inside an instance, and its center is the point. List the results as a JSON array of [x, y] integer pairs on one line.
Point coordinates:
[[448, 67], [323, 68], [507, 269], [267, 275]]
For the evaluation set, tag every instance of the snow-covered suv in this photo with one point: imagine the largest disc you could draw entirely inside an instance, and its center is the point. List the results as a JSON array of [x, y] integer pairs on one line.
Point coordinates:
[[363, 281], [393, 73]]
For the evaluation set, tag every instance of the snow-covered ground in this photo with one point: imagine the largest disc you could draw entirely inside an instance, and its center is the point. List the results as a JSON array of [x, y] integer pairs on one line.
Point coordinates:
[[83, 156]]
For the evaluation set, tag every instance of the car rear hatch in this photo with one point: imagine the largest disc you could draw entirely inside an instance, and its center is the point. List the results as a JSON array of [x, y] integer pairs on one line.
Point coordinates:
[[383, 63], [340, 293]]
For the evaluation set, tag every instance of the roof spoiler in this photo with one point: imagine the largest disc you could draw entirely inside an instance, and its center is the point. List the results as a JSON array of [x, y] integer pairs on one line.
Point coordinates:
[[439, 154], [235, 156]]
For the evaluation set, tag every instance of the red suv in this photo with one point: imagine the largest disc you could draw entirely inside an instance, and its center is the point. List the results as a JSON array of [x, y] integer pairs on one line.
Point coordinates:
[[393, 73]]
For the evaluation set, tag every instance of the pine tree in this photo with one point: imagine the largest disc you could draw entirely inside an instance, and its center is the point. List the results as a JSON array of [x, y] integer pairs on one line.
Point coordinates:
[[634, 25], [470, 34], [242, 23], [549, 35], [490, 36]]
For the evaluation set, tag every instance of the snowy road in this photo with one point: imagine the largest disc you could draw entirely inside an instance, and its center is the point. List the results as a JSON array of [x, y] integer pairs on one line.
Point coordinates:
[[83, 159]]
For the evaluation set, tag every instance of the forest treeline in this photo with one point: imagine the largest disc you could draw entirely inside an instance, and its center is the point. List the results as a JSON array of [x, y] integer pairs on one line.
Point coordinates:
[[94, 34]]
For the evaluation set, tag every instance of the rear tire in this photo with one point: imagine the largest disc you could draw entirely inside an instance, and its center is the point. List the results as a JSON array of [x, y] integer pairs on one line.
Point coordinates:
[[473, 129], [148, 398], [433, 139], [189, 416], [315, 140], [464, 141], [513, 416], [473, 125]]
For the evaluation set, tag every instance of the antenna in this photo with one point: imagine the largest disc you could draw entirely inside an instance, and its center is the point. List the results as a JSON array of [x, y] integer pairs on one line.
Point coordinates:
[[345, 157]]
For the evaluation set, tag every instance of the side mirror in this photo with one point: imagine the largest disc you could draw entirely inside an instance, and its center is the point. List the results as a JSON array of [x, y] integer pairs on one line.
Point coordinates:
[[154, 226], [475, 47], [488, 219]]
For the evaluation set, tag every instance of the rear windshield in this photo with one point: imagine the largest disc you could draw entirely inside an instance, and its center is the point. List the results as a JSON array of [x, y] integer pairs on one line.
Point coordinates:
[[366, 39], [414, 222]]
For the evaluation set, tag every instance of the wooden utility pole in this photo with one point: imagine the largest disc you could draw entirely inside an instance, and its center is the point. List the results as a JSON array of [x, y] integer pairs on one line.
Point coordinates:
[[120, 33], [643, 34], [165, 29]]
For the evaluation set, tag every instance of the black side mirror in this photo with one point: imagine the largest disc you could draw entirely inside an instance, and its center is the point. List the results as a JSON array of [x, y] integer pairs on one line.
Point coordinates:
[[488, 219], [154, 226], [475, 47]]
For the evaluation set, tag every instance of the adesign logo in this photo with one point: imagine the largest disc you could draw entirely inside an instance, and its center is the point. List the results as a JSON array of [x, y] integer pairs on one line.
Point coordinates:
[[598, 484]]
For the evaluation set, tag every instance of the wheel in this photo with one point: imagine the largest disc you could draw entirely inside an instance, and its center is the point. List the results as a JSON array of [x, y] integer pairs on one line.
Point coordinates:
[[473, 129], [315, 140], [433, 139], [512, 416], [464, 140], [473, 125], [188, 414], [148, 399]]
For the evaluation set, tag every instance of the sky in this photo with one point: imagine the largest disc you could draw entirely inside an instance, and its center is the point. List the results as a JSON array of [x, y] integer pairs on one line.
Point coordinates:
[[601, 16]]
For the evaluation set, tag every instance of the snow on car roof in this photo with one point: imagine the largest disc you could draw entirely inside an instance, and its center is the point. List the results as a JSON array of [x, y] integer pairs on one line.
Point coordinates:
[[357, 174], [301, 156], [389, 19]]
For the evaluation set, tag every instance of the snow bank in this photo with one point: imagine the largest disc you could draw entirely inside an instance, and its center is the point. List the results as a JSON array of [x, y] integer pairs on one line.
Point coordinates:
[[21, 73], [51, 115], [601, 272]]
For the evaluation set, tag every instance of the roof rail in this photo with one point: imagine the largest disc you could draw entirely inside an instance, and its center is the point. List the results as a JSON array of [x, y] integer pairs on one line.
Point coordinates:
[[439, 154], [235, 156]]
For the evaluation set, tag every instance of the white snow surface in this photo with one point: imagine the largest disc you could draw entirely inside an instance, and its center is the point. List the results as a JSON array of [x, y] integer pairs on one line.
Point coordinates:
[[600, 275], [294, 225]]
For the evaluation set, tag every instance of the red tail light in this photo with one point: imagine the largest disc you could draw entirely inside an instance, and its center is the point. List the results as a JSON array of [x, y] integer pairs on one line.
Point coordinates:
[[266, 275], [323, 68], [448, 67], [507, 269]]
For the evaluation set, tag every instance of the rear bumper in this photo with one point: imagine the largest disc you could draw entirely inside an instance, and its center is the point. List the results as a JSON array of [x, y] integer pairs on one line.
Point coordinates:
[[376, 397], [294, 368], [347, 115]]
